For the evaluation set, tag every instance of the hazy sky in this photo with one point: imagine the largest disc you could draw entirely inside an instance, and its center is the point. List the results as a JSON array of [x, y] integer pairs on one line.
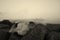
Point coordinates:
[[28, 9]]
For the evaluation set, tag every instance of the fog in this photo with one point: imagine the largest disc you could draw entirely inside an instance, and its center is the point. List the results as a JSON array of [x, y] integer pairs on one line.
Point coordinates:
[[49, 10]]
